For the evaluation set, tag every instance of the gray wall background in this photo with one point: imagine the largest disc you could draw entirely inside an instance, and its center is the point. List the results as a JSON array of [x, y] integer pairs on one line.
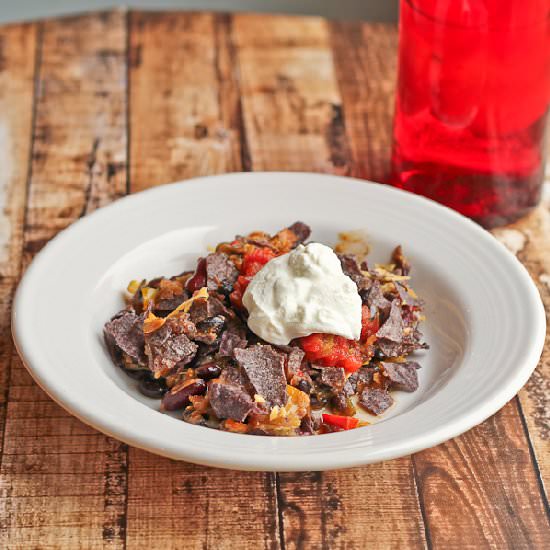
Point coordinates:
[[372, 10]]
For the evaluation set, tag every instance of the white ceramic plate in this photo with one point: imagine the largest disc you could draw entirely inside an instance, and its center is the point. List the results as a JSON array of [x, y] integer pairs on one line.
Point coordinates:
[[486, 323]]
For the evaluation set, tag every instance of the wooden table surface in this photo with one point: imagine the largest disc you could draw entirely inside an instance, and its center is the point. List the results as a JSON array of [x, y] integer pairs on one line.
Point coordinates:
[[98, 106]]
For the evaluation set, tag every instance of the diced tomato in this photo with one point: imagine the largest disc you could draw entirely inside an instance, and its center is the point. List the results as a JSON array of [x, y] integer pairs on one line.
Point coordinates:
[[239, 287], [328, 350], [312, 345], [352, 362], [255, 260], [369, 326], [344, 422], [243, 282]]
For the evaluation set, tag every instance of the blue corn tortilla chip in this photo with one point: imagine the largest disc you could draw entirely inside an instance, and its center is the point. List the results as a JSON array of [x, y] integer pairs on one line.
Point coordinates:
[[375, 400], [230, 401], [221, 272], [169, 347], [124, 333], [402, 376], [264, 368]]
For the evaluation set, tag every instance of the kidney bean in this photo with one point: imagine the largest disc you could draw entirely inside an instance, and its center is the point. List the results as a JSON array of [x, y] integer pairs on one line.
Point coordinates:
[[178, 397], [198, 280], [208, 371]]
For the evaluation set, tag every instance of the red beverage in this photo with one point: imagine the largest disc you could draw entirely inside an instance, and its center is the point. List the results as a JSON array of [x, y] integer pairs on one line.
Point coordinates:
[[473, 93]]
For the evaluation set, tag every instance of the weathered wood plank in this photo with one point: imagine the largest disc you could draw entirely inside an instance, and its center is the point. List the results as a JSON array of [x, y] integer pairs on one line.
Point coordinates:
[[62, 484], [366, 67], [291, 105], [175, 505], [289, 100], [184, 118], [374, 506], [79, 151], [17, 69], [185, 122], [480, 490]]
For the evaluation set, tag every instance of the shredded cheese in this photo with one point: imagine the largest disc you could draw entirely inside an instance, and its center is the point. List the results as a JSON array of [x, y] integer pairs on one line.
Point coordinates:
[[133, 286], [152, 322]]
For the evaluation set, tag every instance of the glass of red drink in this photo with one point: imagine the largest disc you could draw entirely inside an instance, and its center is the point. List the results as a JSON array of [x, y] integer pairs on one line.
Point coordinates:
[[472, 103]]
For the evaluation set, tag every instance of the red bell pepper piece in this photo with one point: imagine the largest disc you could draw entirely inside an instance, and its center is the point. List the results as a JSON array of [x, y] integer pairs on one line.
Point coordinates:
[[344, 422]]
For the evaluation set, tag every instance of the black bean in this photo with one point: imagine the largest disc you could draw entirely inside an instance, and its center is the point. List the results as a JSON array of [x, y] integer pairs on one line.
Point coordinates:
[[215, 324], [364, 293], [304, 385], [151, 387], [178, 397], [225, 288], [318, 402], [208, 371], [378, 354], [136, 374]]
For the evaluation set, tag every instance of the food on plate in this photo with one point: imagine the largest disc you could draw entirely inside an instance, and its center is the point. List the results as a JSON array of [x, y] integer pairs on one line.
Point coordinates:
[[271, 335], [303, 292]]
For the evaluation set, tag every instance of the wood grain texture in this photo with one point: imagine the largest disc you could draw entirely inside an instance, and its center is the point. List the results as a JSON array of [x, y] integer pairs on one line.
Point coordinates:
[[175, 505], [365, 57], [62, 484], [17, 69], [480, 489], [374, 506], [291, 105], [79, 153], [184, 116], [183, 66], [287, 128]]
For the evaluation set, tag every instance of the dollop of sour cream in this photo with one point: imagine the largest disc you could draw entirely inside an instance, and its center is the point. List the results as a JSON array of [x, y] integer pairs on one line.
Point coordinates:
[[303, 292]]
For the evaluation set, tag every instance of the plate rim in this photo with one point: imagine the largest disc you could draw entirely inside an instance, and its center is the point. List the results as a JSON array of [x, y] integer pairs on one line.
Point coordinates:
[[447, 430]]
